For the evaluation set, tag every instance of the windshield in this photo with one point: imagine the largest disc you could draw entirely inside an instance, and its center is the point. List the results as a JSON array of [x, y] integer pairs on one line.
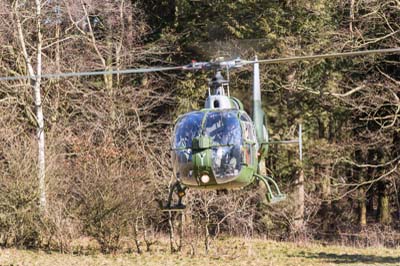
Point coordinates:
[[187, 128], [226, 162], [223, 128], [225, 132]]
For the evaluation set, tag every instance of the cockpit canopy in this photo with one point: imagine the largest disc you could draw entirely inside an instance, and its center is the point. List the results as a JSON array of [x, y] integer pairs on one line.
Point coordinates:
[[188, 127], [224, 130]]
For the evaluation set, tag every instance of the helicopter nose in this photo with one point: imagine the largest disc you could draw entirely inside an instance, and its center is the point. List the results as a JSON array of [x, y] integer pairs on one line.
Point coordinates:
[[202, 167]]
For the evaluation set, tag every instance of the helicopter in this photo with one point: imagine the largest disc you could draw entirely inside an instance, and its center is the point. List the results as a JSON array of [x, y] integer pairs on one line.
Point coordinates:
[[219, 147]]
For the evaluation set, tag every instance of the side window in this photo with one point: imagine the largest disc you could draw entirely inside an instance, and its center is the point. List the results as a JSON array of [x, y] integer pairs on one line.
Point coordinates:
[[247, 127], [248, 149], [244, 117]]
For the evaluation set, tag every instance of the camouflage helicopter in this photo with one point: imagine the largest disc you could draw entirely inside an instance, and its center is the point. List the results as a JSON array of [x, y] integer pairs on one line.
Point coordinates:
[[220, 146]]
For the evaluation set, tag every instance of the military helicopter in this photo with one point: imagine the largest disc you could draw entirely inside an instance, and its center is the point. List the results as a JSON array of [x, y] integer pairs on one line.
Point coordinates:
[[220, 146]]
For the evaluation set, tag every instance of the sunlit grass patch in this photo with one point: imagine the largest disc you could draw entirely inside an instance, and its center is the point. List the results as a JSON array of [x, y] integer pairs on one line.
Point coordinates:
[[230, 251]]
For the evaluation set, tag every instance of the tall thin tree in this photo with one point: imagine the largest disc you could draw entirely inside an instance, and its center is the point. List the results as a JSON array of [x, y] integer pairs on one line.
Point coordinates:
[[35, 83]]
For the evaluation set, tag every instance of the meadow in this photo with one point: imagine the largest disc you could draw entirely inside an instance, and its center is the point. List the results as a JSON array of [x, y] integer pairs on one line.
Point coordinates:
[[230, 251]]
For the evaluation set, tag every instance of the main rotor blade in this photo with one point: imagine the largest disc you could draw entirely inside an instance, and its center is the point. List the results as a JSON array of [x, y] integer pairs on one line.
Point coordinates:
[[94, 73], [322, 56], [202, 65]]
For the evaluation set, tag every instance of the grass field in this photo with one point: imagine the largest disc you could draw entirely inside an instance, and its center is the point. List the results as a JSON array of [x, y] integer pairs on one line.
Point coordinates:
[[224, 252]]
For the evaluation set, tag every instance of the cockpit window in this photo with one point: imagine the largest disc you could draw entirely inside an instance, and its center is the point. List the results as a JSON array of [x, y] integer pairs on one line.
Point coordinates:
[[223, 128], [187, 128], [248, 128], [245, 117], [225, 132]]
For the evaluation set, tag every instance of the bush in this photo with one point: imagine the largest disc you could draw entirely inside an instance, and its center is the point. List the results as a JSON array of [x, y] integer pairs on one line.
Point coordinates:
[[20, 219]]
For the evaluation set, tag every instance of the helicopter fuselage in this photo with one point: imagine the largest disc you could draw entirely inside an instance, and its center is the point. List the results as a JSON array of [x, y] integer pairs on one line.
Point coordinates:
[[215, 148], [220, 146]]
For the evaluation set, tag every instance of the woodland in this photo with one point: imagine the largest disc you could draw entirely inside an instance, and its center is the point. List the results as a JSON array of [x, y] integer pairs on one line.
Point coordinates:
[[91, 156]]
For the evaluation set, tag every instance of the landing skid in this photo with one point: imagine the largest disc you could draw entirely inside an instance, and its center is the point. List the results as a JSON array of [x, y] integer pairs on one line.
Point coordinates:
[[273, 194], [179, 189]]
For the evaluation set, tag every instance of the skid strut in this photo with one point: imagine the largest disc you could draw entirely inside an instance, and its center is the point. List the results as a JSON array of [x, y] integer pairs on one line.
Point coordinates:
[[179, 189], [273, 194]]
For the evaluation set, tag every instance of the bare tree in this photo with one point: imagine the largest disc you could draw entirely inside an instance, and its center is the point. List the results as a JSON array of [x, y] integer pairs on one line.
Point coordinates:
[[35, 82]]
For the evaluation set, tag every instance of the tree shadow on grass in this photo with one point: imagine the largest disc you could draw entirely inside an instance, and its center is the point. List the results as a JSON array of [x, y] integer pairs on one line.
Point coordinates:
[[351, 258]]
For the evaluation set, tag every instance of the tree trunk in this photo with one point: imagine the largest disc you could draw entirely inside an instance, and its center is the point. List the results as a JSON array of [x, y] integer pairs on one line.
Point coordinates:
[[300, 196], [206, 237], [171, 232], [370, 198], [35, 82], [326, 202], [351, 17], [180, 232], [362, 207], [39, 111], [358, 174], [136, 236], [384, 206], [323, 171], [395, 153]]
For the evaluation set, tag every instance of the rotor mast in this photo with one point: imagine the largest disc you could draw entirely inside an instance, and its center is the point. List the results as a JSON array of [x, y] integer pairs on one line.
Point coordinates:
[[218, 84], [218, 98]]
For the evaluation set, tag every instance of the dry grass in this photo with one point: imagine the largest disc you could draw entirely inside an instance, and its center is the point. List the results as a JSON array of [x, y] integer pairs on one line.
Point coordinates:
[[224, 252]]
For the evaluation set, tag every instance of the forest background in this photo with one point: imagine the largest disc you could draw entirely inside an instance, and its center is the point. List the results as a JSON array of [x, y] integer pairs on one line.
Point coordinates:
[[107, 139]]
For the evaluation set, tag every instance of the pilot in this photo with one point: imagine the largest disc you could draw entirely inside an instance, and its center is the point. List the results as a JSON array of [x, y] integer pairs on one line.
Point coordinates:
[[233, 139], [217, 162]]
